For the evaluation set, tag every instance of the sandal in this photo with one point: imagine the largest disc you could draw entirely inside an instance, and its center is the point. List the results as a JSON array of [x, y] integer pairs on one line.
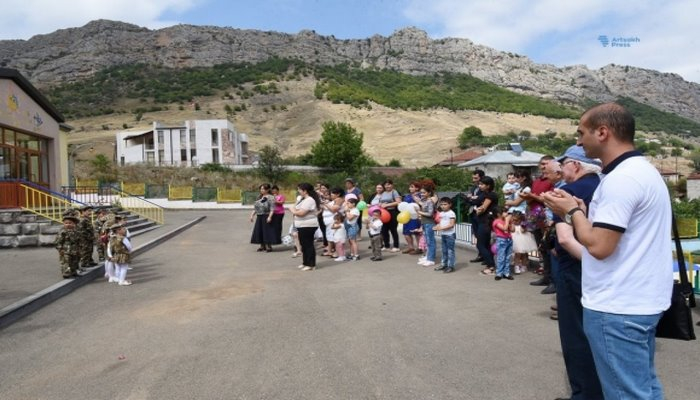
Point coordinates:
[[488, 271]]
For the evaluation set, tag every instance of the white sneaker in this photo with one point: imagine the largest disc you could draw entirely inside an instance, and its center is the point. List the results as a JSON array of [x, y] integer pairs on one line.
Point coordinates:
[[428, 263], [395, 250], [113, 280], [301, 266], [307, 268], [422, 258], [124, 283], [516, 270], [340, 259], [421, 261]]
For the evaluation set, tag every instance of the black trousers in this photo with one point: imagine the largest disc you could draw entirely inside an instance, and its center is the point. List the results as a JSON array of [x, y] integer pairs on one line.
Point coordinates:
[[391, 227], [308, 250], [322, 225], [578, 357]]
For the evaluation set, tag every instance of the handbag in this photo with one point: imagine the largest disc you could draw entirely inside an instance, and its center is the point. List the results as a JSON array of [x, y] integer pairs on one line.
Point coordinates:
[[677, 321]]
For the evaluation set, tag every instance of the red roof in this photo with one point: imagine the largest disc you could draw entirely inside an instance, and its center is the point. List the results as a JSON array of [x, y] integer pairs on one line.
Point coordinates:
[[462, 157]]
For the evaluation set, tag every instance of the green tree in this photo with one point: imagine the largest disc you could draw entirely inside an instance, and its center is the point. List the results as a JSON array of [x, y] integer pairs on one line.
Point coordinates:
[[340, 148], [270, 165], [470, 136], [695, 158], [102, 169]]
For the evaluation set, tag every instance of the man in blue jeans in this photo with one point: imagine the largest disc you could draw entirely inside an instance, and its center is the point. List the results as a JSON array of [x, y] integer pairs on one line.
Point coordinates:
[[627, 274]]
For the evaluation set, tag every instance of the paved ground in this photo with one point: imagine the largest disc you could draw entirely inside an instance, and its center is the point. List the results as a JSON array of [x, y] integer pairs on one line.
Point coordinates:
[[210, 318], [24, 271]]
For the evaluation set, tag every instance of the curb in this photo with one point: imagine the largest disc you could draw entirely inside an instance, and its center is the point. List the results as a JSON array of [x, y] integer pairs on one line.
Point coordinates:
[[29, 304]]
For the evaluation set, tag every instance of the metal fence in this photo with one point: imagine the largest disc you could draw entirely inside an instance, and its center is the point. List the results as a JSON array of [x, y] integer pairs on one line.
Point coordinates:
[[204, 194]]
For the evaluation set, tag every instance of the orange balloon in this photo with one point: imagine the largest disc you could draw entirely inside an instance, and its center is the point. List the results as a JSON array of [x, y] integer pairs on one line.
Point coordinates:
[[385, 217]]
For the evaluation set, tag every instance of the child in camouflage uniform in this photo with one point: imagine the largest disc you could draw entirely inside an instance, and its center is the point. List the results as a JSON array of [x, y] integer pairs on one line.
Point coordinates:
[[104, 222], [86, 231], [119, 251], [68, 245]]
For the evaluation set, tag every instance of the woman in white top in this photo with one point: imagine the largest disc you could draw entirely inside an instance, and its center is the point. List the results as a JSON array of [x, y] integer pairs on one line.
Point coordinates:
[[306, 222]]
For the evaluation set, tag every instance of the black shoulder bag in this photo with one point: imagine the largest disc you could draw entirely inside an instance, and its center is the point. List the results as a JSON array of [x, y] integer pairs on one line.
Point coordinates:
[[677, 321]]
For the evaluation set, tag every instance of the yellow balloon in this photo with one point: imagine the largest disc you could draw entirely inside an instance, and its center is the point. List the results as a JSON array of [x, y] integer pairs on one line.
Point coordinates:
[[403, 217]]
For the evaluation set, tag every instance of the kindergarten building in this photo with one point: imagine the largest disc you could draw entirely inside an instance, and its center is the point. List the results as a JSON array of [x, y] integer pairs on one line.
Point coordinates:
[[194, 143], [32, 134]]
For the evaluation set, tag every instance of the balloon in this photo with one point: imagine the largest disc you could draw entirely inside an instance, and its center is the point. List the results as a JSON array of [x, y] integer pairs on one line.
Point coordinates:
[[361, 205], [287, 240], [385, 217], [494, 248], [413, 210], [403, 206], [437, 218], [403, 217]]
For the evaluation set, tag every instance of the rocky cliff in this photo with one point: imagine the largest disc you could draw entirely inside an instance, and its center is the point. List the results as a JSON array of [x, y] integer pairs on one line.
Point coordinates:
[[71, 54]]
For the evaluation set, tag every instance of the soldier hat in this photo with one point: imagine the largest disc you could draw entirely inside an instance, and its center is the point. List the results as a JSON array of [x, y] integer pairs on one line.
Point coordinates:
[[117, 226], [71, 217], [86, 207]]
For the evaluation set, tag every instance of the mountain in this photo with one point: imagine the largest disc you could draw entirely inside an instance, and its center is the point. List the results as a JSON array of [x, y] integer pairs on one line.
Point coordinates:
[[69, 55]]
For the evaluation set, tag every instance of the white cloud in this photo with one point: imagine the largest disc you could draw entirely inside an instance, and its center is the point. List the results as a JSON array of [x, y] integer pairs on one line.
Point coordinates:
[[23, 19], [565, 32]]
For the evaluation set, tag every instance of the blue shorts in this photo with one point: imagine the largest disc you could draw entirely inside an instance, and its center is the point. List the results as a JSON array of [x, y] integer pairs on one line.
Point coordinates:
[[411, 225], [351, 230]]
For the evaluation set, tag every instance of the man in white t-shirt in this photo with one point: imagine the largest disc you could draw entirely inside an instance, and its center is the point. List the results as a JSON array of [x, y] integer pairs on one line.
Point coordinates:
[[627, 274]]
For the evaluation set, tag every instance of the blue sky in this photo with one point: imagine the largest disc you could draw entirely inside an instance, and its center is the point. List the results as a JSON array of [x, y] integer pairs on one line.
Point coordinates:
[[559, 32]]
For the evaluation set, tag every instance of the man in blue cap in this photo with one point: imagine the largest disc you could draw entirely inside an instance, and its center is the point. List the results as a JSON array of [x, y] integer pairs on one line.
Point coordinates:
[[581, 176]]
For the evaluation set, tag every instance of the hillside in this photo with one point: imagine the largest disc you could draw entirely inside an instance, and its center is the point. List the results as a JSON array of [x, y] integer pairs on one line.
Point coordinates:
[[424, 137]]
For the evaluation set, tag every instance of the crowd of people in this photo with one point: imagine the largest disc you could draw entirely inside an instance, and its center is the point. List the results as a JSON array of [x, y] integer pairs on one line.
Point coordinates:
[[594, 215], [80, 236]]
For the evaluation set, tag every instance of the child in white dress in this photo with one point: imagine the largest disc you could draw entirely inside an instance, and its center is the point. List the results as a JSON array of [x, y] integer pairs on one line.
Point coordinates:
[[339, 236], [523, 243]]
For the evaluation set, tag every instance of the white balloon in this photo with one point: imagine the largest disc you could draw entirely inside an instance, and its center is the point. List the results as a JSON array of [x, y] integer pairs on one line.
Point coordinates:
[[403, 206], [413, 210]]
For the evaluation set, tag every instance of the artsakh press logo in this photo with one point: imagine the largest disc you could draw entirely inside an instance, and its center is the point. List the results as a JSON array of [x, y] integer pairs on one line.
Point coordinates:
[[618, 41]]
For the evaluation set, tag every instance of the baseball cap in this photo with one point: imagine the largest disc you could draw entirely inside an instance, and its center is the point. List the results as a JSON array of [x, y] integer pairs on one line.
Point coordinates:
[[577, 153]]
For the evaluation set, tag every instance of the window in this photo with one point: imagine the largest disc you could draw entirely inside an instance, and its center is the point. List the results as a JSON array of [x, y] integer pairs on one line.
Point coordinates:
[[161, 139], [150, 157], [183, 155], [161, 157], [122, 161], [215, 137], [215, 156], [193, 139], [193, 153], [149, 143], [183, 138]]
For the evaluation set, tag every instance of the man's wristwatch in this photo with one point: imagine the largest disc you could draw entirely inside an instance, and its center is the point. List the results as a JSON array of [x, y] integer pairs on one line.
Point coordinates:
[[570, 214]]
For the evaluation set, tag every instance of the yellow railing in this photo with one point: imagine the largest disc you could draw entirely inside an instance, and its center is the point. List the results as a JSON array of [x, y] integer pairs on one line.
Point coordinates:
[[137, 189], [228, 195], [290, 195], [45, 204], [179, 192], [687, 227], [142, 207]]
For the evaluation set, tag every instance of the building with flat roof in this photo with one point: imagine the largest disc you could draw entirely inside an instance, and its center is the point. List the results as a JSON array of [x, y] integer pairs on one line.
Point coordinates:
[[33, 142], [194, 143]]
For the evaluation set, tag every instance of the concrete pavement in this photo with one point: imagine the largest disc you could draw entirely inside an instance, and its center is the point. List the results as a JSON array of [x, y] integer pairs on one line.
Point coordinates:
[[210, 318], [29, 277]]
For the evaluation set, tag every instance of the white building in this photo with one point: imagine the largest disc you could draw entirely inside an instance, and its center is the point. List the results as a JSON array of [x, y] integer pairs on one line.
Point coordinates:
[[194, 143]]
